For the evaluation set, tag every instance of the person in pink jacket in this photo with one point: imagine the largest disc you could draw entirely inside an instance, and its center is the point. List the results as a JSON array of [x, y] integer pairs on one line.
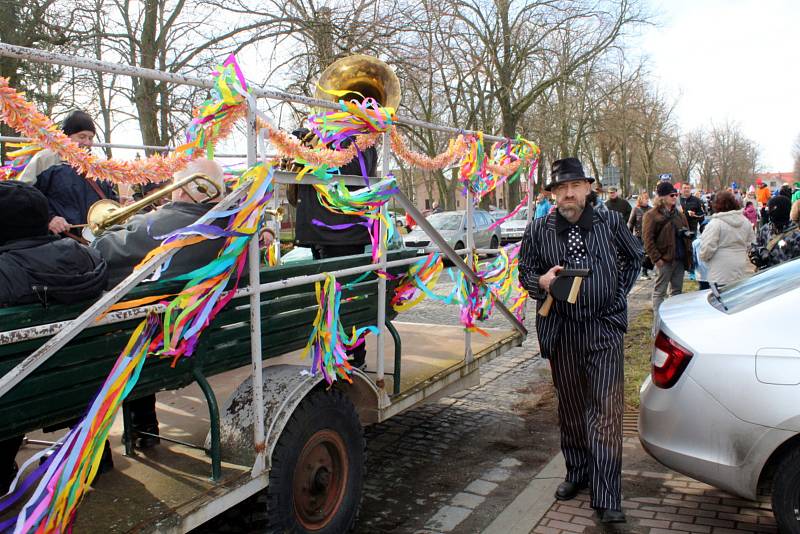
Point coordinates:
[[750, 213]]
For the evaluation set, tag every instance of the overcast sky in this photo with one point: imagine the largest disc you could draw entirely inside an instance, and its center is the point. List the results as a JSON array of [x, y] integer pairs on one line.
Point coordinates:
[[732, 59]]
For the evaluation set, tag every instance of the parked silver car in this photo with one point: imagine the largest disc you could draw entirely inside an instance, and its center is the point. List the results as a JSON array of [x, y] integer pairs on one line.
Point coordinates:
[[722, 404], [452, 225], [514, 228]]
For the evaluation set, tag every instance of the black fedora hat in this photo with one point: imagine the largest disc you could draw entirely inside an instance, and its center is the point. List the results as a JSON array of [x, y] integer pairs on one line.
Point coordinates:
[[566, 170]]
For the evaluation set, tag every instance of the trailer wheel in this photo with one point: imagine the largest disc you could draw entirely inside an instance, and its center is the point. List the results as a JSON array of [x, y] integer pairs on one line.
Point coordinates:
[[317, 468]]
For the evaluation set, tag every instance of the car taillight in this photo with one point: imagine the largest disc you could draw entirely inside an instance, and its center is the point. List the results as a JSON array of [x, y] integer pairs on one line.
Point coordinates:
[[669, 361]]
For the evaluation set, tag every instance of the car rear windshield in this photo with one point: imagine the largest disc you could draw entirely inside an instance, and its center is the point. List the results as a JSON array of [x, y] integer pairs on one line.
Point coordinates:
[[760, 287], [446, 221]]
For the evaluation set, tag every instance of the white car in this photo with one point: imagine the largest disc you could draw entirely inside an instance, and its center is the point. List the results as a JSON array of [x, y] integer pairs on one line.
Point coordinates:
[[722, 404], [452, 225], [514, 228]]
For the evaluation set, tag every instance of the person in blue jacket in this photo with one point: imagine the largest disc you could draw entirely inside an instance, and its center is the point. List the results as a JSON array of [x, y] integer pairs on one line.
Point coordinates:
[[542, 206]]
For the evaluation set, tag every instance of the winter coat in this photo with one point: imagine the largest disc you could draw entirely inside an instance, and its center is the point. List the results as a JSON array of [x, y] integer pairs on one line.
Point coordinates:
[[751, 214], [635, 220], [69, 195], [125, 246], [769, 250], [49, 269], [693, 204], [621, 206], [40, 162], [659, 229], [723, 246], [309, 208]]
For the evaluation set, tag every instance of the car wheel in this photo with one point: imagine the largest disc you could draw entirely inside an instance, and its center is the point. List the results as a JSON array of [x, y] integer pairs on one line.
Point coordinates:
[[316, 480], [786, 493], [494, 243]]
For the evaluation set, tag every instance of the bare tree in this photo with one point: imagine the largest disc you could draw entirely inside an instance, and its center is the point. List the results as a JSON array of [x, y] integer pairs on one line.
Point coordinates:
[[686, 151], [796, 156], [518, 37], [40, 24]]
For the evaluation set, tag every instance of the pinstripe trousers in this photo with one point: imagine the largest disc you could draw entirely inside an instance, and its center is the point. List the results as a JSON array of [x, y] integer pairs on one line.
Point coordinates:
[[587, 367]]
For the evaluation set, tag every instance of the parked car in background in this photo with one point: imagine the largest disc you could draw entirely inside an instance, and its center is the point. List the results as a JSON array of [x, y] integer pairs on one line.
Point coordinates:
[[498, 214], [452, 225], [722, 404], [513, 229]]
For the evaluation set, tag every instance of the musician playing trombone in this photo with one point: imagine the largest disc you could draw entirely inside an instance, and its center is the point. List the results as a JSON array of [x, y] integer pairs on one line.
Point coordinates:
[[124, 246], [69, 194]]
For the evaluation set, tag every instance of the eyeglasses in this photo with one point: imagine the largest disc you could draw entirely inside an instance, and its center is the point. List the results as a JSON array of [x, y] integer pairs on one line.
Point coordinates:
[[674, 195]]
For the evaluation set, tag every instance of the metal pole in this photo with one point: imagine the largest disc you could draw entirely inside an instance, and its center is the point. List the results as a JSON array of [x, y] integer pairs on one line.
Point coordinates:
[[41, 56], [259, 435], [15, 139], [529, 214], [46, 330], [471, 263], [379, 378], [451, 254]]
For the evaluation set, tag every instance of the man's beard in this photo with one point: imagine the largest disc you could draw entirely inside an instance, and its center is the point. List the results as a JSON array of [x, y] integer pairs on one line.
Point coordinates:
[[572, 212]]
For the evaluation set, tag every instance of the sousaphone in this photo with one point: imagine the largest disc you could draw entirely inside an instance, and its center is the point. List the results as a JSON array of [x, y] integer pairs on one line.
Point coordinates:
[[362, 77]]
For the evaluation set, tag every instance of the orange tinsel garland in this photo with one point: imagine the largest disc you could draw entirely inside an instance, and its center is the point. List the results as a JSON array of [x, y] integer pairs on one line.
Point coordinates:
[[455, 150], [291, 147], [23, 117], [504, 170]]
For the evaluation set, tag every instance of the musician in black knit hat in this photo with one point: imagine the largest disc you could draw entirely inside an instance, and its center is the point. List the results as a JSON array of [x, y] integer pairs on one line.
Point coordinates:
[[69, 194]]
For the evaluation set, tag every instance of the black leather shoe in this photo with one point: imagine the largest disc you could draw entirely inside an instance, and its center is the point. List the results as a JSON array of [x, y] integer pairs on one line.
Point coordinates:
[[146, 442], [568, 490], [607, 515]]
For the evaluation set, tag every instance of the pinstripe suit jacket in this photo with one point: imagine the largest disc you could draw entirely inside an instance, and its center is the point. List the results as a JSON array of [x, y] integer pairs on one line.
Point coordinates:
[[614, 256]]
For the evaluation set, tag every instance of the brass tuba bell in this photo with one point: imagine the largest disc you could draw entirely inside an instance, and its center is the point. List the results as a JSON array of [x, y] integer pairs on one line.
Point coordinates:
[[364, 76]]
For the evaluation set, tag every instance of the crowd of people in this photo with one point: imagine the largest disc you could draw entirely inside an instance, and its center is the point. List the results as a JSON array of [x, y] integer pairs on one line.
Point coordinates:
[[713, 237]]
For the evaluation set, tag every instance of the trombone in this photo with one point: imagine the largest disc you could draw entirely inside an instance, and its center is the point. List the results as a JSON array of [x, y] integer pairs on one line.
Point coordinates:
[[106, 213]]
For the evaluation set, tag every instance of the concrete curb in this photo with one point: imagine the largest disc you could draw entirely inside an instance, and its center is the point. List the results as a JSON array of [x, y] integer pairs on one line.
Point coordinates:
[[522, 515]]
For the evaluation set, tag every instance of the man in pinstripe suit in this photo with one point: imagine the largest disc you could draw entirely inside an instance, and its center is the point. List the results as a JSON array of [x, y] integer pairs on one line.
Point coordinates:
[[584, 340]]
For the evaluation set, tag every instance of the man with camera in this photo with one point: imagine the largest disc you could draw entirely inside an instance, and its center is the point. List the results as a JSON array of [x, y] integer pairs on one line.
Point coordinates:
[[667, 242]]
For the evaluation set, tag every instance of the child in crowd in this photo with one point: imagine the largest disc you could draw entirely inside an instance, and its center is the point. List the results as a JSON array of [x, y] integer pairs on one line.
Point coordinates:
[[751, 213]]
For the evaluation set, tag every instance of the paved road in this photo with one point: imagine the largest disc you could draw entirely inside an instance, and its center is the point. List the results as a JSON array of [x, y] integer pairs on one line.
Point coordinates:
[[462, 459]]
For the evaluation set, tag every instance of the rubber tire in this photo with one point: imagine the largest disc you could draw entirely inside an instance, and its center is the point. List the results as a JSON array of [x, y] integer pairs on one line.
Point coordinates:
[[786, 493], [320, 410], [494, 243]]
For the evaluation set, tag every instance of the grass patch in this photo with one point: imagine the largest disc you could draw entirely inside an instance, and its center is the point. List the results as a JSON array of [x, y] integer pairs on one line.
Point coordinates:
[[638, 346]]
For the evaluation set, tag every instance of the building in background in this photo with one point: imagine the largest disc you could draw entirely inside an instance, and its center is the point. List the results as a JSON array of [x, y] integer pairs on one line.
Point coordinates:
[[774, 179]]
